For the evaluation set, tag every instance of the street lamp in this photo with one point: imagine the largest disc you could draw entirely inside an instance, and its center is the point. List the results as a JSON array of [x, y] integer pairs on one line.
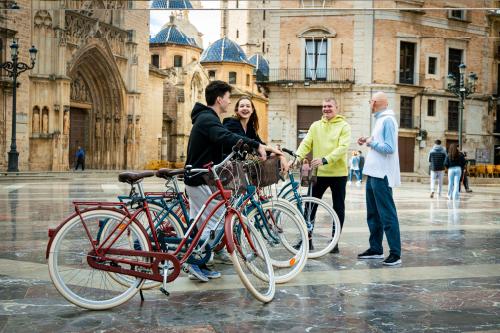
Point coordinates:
[[462, 90], [15, 68]]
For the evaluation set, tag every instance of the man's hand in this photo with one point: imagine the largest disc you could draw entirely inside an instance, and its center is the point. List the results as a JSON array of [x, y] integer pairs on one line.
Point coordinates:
[[316, 162], [262, 152], [369, 140], [361, 140]]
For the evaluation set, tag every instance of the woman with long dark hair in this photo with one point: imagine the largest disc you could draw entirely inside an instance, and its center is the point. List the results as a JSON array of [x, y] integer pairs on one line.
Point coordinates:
[[454, 162]]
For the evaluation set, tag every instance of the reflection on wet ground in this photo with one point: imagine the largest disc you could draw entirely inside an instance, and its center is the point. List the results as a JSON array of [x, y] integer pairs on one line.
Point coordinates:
[[449, 280]]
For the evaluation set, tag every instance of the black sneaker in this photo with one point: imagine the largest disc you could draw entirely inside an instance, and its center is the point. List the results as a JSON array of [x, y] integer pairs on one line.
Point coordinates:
[[299, 244], [369, 254], [392, 260], [335, 249]]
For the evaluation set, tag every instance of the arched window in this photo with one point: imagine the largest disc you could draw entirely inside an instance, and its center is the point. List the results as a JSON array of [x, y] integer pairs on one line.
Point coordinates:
[[155, 60], [177, 61]]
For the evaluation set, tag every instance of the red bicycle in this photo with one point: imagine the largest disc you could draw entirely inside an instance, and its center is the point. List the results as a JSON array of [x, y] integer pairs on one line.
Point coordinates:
[[101, 255]]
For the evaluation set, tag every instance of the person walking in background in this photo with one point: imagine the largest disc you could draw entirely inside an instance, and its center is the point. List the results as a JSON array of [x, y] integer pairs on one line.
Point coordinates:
[[361, 164], [436, 160], [80, 158], [465, 174], [354, 168], [455, 162], [382, 169], [328, 139]]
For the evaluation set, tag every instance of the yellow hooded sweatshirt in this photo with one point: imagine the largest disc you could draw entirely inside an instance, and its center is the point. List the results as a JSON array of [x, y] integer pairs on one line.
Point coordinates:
[[329, 139]]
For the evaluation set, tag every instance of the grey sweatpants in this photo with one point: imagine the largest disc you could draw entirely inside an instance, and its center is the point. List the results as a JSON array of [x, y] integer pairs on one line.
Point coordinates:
[[198, 195]]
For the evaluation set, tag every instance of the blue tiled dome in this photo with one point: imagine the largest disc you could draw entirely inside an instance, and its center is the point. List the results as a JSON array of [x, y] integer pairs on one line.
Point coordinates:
[[171, 4], [171, 34], [224, 50], [261, 66]]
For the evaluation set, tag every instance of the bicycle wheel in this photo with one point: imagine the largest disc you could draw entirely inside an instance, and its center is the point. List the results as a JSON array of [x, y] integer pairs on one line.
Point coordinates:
[[281, 228], [166, 223], [79, 283], [252, 264], [324, 222]]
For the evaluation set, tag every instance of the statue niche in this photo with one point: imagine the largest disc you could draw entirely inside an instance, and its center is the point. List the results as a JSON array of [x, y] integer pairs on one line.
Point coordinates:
[[35, 120], [45, 120]]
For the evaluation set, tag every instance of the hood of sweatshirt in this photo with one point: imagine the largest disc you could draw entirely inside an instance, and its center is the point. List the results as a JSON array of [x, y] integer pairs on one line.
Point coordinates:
[[337, 119], [198, 109], [438, 149]]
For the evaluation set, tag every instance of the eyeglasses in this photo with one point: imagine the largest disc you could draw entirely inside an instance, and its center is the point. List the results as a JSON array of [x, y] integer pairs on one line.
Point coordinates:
[[371, 100]]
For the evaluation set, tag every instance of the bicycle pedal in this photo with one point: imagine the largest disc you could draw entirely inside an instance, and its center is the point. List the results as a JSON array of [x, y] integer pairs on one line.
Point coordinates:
[[164, 291]]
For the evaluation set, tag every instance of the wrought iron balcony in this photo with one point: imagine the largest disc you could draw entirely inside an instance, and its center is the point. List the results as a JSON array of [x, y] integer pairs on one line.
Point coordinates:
[[301, 75]]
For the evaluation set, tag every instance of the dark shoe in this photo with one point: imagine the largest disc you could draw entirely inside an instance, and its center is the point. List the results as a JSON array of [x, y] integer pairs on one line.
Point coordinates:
[[299, 244], [468, 190], [392, 260], [369, 254], [335, 249], [432, 194]]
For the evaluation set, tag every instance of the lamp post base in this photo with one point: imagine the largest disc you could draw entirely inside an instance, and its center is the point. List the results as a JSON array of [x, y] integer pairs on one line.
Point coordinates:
[[13, 165]]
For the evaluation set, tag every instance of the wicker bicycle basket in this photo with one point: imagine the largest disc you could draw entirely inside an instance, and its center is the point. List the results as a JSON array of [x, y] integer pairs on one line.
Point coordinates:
[[232, 176], [263, 173]]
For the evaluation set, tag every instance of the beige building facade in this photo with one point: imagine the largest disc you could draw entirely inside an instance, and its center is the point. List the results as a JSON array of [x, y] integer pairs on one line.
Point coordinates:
[[351, 49], [91, 85]]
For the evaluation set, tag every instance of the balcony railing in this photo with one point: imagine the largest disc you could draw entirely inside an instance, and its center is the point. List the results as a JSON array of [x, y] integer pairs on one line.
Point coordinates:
[[299, 75]]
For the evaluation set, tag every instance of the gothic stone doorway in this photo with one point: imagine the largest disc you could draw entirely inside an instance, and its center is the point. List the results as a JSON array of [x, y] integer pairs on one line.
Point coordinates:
[[78, 133]]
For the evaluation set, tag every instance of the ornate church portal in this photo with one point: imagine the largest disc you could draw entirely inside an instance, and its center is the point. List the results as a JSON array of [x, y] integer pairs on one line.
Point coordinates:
[[96, 113]]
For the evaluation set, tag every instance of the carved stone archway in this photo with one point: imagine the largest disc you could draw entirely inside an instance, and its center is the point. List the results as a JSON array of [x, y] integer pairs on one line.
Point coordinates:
[[96, 86]]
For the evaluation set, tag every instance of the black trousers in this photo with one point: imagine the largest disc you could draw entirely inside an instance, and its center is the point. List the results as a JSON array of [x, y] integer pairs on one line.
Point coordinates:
[[337, 186], [79, 162]]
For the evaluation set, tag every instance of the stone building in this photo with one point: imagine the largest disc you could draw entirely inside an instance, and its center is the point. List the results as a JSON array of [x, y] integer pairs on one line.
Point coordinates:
[[91, 85], [350, 49]]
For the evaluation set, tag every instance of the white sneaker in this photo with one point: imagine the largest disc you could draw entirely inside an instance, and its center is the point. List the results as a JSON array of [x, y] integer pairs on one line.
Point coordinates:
[[349, 182], [358, 183]]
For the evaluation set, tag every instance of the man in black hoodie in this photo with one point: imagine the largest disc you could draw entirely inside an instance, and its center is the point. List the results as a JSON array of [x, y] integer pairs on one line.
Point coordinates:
[[206, 141], [436, 160]]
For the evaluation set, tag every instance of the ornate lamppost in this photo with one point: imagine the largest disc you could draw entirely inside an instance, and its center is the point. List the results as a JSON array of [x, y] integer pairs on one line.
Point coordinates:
[[462, 90], [15, 68]]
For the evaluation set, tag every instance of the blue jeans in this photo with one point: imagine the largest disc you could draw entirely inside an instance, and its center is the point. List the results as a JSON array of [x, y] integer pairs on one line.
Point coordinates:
[[454, 174], [356, 172], [382, 216]]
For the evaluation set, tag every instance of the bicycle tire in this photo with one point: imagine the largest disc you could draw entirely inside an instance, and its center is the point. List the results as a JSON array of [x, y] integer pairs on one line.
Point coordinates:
[[72, 236], [323, 242], [255, 270], [285, 228]]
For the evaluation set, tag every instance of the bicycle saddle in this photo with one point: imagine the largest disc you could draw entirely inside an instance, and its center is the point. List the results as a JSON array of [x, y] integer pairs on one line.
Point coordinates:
[[168, 173], [134, 177]]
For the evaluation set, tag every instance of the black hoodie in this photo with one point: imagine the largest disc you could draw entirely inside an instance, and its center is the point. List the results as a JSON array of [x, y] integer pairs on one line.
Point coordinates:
[[207, 139]]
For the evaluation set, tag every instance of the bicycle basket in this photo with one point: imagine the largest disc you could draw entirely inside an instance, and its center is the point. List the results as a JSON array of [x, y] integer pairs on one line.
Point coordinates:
[[231, 176], [263, 173]]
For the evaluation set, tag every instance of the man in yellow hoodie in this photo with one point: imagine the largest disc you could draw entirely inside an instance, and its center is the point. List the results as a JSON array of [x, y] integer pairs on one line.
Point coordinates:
[[329, 139]]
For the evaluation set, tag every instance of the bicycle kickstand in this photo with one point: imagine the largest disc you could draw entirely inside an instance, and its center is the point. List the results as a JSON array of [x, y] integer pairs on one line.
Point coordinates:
[[163, 288]]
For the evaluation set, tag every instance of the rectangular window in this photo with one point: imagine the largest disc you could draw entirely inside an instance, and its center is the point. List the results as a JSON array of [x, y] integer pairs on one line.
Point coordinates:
[[316, 54], [232, 77], [237, 4], [432, 65], [431, 107], [263, 47], [263, 15], [155, 60], [263, 33], [177, 61], [406, 112], [407, 63], [452, 115], [237, 34], [211, 75], [248, 79], [457, 14], [454, 60]]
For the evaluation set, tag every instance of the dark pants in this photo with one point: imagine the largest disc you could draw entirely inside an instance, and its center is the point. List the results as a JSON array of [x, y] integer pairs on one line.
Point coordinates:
[[80, 162], [382, 216], [337, 186]]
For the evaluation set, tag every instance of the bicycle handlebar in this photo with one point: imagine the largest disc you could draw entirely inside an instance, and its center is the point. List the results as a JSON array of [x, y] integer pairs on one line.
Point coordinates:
[[289, 152], [235, 149]]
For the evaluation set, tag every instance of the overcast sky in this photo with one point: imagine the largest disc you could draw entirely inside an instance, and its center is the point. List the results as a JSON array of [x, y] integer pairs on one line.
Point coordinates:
[[206, 21]]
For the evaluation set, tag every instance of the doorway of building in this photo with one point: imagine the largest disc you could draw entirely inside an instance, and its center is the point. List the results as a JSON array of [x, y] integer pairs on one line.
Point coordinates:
[[78, 134], [306, 115], [406, 146]]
